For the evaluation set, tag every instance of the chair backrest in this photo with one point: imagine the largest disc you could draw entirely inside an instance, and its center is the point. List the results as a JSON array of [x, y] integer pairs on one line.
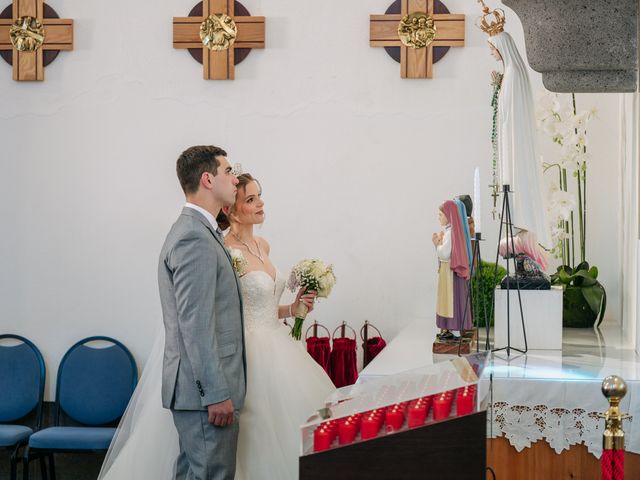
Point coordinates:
[[95, 383], [22, 377]]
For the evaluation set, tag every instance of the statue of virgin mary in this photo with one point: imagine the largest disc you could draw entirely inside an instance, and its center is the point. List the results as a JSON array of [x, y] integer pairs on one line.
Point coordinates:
[[519, 163]]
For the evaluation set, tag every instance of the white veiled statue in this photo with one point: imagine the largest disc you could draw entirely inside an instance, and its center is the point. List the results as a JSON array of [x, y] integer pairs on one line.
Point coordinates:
[[519, 162]]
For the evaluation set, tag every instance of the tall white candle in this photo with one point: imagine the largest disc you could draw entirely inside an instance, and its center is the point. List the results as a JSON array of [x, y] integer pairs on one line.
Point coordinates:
[[477, 209]]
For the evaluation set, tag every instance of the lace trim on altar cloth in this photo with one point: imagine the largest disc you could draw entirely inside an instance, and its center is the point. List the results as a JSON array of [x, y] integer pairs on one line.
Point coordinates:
[[561, 428]]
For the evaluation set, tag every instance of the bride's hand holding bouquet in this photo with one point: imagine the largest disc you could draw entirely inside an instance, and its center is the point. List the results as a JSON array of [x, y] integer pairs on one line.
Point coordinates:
[[313, 279]]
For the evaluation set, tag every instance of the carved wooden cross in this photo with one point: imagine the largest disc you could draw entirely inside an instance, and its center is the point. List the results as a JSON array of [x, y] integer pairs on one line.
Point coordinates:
[[51, 34], [219, 64], [416, 62]]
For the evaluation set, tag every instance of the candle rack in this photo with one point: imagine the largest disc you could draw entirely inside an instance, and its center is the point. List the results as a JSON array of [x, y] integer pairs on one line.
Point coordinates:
[[398, 403], [412, 425]]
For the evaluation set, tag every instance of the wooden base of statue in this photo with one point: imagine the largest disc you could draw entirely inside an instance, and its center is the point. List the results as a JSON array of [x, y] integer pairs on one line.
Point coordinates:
[[453, 449], [454, 347]]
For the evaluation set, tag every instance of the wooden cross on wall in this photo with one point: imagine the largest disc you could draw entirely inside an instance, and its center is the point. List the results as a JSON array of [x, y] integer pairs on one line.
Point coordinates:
[[219, 58], [448, 31], [33, 21]]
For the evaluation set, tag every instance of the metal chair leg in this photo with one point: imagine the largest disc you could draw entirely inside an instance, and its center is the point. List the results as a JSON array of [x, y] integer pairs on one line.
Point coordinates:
[[25, 463], [52, 467], [43, 468], [14, 463]]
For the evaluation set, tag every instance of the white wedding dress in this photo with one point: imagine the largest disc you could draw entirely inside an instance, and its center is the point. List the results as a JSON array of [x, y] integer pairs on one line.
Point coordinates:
[[284, 386]]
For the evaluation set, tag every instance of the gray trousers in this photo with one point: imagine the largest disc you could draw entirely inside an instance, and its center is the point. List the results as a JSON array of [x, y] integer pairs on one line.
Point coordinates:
[[207, 452]]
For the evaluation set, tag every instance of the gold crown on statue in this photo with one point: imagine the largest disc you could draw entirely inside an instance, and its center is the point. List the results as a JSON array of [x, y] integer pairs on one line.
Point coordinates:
[[492, 26]]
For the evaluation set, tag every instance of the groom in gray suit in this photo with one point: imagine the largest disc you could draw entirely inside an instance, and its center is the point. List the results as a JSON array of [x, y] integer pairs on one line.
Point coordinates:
[[204, 367]]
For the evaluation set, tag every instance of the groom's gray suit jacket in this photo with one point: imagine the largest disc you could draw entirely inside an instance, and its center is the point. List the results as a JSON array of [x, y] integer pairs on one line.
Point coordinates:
[[204, 358]]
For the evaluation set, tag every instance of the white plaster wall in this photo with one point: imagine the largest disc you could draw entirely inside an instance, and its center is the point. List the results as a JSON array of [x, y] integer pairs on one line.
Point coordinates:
[[354, 162]]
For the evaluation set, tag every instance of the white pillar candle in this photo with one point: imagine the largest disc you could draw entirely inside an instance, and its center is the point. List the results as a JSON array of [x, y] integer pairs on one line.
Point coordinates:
[[477, 209]]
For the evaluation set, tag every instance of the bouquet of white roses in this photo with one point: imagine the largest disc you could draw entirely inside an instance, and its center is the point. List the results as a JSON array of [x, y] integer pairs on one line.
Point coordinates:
[[311, 275], [238, 262]]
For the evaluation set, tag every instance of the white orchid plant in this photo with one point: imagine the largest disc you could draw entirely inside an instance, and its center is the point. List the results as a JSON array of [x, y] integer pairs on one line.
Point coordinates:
[[559, 119]]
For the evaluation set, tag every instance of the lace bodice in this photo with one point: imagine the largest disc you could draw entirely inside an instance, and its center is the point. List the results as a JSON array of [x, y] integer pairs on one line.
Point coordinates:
[[261, 297]]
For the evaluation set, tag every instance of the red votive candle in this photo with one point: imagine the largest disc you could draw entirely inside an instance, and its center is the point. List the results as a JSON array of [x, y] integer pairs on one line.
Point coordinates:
[[370, 427], [428, 402], [321, 439], [334, 430], [378, 415], [395, 419], [417, 415], [331, 426], [464, 404], [441, 407], [356, 420], [347, 432]]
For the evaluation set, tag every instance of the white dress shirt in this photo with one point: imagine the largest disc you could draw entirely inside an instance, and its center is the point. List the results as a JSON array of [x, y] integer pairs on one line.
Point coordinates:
[[204, 212]]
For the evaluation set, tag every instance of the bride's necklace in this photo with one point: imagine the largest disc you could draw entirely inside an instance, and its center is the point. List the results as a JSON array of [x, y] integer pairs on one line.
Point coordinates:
[[257, 255]]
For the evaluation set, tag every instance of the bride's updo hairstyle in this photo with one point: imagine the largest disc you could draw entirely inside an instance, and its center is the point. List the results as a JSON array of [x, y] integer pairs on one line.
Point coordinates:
[[243, 180]]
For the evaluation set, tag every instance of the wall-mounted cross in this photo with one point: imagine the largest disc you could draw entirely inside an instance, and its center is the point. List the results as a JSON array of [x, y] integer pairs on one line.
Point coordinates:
[[417, 29], [218, 32], [31, 32]]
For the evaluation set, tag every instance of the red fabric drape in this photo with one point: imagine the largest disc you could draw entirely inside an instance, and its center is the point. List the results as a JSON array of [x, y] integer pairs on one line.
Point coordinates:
[[374, 346], [343, 369], [320, 350]]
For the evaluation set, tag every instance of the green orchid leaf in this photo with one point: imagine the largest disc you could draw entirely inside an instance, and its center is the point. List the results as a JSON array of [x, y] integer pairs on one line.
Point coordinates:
[[583, 279], [564, 278], [582, 266], [593, 272], [594, 296], [603, 308]]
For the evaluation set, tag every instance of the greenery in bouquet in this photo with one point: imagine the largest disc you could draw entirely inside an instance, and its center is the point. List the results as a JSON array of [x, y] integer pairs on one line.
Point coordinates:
[[312, 275]]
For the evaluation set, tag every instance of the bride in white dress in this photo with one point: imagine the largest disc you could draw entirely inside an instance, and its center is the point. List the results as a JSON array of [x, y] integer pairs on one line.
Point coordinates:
[[284, 384]]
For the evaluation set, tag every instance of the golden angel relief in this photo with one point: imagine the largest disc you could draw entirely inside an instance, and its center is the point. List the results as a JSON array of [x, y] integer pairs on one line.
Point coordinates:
[[416, 30], [218, 32], [27, 34]]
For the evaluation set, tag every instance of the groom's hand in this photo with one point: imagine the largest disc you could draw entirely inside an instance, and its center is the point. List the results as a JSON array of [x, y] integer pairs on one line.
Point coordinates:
[[221, 414]]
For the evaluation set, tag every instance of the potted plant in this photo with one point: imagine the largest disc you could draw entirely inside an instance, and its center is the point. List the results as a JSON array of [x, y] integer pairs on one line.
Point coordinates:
[[489, 282], [584, 299]]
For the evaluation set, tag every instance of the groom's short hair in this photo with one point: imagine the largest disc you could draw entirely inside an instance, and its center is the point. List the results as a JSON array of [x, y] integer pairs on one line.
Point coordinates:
[[193, 162]]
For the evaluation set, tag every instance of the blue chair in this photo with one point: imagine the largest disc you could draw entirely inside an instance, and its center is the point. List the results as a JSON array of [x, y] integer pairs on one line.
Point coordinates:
[[93, 390], [22, 377]]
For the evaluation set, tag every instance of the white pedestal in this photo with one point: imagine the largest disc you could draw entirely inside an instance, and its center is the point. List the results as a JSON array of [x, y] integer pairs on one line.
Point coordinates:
[[542, 319]]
